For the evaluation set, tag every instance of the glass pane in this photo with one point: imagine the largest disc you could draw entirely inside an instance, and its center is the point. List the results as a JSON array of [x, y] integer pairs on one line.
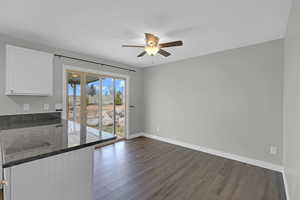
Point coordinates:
[[73, 96], [120, 107], [92, 101], [108, 105]]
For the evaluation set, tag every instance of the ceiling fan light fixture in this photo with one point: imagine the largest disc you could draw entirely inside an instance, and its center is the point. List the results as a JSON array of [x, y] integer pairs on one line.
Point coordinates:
[[151, 51], [153, 47]]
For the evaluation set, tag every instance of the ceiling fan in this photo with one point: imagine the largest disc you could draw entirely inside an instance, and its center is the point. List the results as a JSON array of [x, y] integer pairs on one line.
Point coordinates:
[[153, 47]]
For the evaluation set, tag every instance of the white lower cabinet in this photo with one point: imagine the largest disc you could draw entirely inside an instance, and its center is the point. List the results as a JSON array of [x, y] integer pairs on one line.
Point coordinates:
[[66, 176]]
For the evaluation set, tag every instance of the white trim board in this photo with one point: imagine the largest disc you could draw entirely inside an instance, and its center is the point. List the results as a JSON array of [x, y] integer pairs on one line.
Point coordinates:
[[285, 185], [250, 161]]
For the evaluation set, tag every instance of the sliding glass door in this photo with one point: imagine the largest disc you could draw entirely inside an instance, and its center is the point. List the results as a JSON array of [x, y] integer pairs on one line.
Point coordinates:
[[73, 96], [92, 101], [108, 105], [120, 108], [97, 101]]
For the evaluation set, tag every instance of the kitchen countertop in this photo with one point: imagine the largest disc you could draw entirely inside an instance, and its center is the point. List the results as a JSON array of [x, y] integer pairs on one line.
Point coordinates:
[[28, 138]]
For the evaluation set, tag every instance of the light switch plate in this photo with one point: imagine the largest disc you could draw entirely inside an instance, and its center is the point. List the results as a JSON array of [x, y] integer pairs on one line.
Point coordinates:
[[26, 107]]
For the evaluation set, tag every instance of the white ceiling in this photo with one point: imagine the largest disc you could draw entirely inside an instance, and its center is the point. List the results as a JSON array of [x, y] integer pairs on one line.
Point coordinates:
[[100, 27]]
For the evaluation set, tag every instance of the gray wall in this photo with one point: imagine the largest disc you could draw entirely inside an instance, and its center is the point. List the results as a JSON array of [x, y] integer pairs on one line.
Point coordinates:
[[292, 103], [14, 104], [229, 101]]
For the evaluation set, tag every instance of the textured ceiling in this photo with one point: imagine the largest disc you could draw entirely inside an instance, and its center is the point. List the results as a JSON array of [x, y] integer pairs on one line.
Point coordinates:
[[99, 28]]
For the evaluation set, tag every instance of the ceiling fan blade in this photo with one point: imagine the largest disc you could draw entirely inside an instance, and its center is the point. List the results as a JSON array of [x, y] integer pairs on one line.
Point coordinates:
[[139, 46], [171, 44], [164, 53], [142, 54]]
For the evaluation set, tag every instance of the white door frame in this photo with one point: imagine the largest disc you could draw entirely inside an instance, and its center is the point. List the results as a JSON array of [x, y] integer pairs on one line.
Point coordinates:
[[98, 72]]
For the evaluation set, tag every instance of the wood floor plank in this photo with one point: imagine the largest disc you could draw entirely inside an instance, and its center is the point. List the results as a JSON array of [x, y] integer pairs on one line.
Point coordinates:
[[146, 169]]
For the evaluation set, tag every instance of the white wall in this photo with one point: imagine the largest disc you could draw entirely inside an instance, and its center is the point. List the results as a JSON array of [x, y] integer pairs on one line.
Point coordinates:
[[229, 101], [14, 104], [292, 102]]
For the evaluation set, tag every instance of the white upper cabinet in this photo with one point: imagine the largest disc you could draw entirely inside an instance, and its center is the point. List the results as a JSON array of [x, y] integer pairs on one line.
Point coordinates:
[[28, 72]]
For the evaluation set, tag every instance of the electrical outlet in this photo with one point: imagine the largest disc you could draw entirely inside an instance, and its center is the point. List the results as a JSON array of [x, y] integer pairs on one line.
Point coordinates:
[[157, 129], [273, 150], [26, 107], [46, 106], [58, 106]]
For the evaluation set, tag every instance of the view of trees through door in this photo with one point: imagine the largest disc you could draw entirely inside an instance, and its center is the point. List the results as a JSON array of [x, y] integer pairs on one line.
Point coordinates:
[[97, 101]]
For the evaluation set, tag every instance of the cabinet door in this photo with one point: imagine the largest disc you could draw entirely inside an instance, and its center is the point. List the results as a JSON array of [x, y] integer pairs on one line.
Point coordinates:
[[28, 72], [67, 176]]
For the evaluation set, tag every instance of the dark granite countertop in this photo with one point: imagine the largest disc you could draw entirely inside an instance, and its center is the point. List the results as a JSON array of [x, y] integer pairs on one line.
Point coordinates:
[[25, 138]]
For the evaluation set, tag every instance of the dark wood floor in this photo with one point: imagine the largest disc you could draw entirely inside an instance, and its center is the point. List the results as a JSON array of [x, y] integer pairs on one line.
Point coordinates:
[[143, 169]]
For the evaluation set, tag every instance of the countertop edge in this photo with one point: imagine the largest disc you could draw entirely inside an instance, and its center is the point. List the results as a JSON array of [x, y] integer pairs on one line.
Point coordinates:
[[25, 160]]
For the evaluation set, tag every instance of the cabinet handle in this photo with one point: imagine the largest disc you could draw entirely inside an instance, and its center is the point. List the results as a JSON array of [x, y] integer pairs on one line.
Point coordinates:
[[3, 182]]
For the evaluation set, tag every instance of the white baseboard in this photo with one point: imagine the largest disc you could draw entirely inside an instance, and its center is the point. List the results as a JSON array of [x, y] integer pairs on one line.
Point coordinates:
[[135, 135], [250, 161], [243, 159], [285, 185]]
